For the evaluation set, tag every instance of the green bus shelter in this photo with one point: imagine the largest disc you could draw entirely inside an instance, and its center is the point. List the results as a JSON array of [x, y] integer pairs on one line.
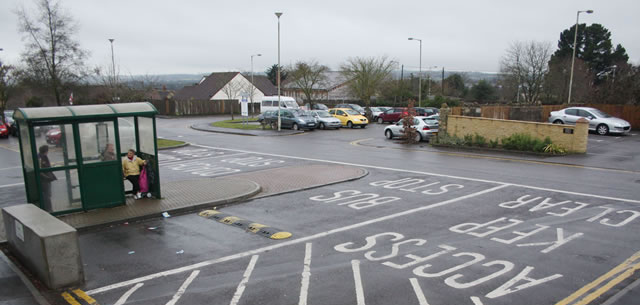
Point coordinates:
[[85, 146]]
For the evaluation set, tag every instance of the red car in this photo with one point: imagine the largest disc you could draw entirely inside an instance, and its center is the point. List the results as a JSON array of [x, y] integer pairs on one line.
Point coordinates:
[[392, 115], [53, 136], [4, 131]]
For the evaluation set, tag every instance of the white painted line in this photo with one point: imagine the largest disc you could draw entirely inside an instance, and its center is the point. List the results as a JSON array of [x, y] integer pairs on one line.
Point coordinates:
[[426, 173], [1, 169], [245, 279], [355, 265], [476, 301], [183, 288], [10, 185], [306, 273], [418, 290], [290, 242], [123, 299], [197, 159]]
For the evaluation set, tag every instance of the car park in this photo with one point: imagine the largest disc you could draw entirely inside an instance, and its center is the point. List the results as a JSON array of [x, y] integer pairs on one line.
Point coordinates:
[[355, 107], [349, 117], [599, 121], [295, 119], [425, 127], [325, 119]]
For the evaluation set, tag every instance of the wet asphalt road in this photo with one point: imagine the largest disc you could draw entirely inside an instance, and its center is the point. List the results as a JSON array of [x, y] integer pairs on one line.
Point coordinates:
[[424, 227]]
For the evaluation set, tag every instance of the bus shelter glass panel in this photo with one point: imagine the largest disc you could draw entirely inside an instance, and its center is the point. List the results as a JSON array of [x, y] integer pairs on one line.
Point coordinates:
[[27, 156], [127, 131], [101, 182], [60, 190], [59, 141], [147, 140], [98, 141]]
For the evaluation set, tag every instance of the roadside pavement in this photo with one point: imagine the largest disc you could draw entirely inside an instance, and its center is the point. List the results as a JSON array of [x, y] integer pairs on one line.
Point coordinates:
[[258, 132]]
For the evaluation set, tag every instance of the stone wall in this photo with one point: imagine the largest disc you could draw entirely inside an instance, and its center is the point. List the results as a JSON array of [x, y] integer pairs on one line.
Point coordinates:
[[573, 138]]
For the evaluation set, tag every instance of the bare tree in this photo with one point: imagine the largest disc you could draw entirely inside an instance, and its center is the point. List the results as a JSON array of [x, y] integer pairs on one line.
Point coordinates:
[[51, 55], [7, 85], [526, 64], [308, 77], [366, 75], [233, 89]]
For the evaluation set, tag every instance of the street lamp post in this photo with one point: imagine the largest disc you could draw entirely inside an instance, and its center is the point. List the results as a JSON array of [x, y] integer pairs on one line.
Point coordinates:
[[113, 63], [419, 73], [573, 57], [278, 14], [253, 87]]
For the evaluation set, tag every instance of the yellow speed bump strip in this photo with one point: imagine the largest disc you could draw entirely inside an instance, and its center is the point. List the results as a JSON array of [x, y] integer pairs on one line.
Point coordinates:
[[247, 225], [81, 296], [604, 283]]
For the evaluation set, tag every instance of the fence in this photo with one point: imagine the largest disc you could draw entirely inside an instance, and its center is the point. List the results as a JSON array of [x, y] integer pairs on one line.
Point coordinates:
[[197, 107], [629, 113]]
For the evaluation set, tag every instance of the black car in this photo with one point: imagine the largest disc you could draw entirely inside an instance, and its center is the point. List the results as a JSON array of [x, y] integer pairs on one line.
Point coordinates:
[[426, 111]]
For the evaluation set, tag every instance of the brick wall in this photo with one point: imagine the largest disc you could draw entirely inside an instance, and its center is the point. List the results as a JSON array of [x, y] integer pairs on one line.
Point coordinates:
[[573, 138]]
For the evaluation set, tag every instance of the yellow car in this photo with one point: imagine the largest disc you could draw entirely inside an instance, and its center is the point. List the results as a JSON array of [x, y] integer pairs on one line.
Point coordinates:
[[349, 117]]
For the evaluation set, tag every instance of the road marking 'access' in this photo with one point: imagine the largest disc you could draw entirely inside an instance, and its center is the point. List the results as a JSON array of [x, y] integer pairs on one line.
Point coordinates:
[[291, 242]]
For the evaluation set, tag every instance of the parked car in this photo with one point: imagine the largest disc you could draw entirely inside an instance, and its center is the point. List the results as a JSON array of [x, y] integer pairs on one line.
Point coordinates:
[[349, 117], [426, 111], [270, 103], [316, 106], [53, 136], [10, 123], [4, 130], [599, 121], [355, 107], [425, 127], [392, 115], [376, 111], [295, 119], [325, 119]]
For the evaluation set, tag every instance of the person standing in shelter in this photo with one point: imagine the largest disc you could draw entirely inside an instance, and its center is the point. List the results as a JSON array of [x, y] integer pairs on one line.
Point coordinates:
[[109, 153], [131, 169], [45, 178]]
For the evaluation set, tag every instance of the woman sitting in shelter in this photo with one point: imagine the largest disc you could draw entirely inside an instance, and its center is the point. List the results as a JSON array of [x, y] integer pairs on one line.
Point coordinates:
[[131, 169]]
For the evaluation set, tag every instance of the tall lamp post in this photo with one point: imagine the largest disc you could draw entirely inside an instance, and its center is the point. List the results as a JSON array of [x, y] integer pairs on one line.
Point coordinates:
[[419, 73], [113, 63], [278, 14], [253, 87], [573, 58]]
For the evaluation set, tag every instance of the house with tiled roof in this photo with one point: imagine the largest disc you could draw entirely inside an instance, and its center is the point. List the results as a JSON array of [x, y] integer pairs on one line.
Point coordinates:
[[219, 86]]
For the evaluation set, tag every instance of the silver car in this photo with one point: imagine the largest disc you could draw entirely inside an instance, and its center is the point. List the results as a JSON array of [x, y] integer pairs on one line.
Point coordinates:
[[599, 121], [426, 127], [325, 119]]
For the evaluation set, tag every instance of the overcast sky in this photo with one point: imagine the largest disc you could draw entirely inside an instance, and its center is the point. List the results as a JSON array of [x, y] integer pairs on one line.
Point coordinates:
[[202, 36]]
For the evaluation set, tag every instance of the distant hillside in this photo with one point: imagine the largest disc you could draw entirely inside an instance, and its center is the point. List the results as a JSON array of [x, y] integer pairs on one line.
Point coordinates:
[[178, 81]]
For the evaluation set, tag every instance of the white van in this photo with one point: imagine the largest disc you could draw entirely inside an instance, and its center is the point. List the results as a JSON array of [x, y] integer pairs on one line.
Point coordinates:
[[270, 103]]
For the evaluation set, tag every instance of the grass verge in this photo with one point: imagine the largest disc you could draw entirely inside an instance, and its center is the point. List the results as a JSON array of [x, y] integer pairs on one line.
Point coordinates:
[[162, 143], [237, 124]]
